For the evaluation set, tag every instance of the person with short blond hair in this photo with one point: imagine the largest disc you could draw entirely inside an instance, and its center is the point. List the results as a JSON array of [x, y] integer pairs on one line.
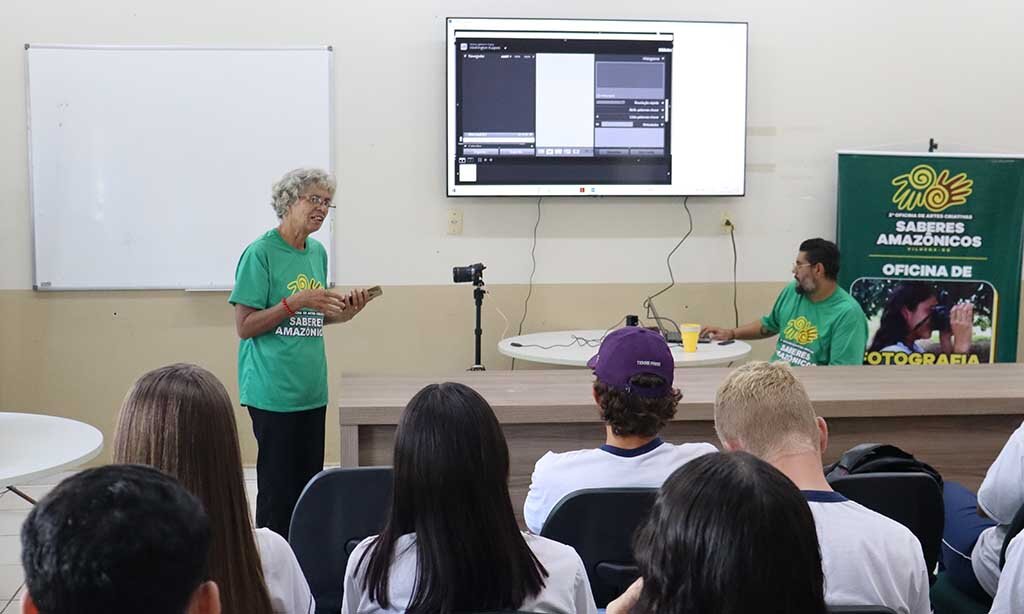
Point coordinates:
[[868, 559], [766, 408]]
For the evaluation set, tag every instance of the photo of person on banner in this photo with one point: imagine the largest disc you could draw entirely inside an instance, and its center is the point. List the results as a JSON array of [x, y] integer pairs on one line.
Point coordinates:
[[905, 317]]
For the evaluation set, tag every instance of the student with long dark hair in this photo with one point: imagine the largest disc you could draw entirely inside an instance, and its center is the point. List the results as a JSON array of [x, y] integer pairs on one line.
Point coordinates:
[[728, 534], [180, 419], [450, 542], [907, 319]]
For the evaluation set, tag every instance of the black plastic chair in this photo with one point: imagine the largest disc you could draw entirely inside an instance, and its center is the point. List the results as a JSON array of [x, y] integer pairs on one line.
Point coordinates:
[[911, 499], [599, 523], [1015, 527], [337, 510], [860, 609]]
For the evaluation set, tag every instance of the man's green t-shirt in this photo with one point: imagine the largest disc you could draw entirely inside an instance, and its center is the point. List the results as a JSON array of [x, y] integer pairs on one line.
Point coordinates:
[[831, 332], [285, 368]]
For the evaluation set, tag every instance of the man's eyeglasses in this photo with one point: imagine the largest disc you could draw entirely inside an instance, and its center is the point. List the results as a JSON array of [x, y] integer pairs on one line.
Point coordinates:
[[318, 201], [797, 265]]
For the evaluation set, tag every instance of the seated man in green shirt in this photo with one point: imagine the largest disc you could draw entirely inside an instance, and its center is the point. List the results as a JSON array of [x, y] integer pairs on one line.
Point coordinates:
[[818, 323]]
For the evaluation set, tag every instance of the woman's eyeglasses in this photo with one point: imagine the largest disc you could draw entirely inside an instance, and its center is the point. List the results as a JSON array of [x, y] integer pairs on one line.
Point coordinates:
[[318, 201]]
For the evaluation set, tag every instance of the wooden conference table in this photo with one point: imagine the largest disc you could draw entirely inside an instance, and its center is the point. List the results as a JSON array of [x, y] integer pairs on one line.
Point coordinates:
[[956, 418]]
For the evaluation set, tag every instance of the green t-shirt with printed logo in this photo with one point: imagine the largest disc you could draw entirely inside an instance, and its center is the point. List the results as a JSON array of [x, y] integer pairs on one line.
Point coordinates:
[[285, 368], [831, 332]]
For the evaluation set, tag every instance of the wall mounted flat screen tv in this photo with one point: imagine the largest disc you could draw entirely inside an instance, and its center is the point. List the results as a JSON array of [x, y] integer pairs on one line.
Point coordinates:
[[588, 108]]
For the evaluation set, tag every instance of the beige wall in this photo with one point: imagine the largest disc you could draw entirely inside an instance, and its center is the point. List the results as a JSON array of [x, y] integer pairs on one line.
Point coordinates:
[[76, 354], [822, 76]]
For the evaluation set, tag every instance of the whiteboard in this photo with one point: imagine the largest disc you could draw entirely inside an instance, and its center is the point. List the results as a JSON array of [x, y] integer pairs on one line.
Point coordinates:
[[151, 167]]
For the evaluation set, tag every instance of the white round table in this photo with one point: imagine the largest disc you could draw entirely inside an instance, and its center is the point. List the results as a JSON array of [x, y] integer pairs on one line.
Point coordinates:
[[576, 347], [33, 446]]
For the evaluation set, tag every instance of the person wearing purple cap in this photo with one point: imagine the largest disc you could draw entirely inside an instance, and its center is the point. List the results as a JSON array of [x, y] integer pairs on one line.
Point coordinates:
[[633, 387]]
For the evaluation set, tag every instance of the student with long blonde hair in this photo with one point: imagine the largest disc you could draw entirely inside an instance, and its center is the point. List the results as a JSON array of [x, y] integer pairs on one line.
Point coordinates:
[[180, 419]]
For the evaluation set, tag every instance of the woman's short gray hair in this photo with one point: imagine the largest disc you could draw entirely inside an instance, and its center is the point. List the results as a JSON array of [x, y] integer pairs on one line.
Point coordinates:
[[296, 183]]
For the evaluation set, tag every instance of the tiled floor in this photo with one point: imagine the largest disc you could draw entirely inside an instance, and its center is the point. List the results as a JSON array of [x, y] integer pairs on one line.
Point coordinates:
[[14, 509]]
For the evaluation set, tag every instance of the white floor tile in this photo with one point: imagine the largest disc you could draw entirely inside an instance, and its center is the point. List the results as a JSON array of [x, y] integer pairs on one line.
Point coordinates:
[[11, 501], [10, 522], [11, 578], [10, 554], [14, 607]]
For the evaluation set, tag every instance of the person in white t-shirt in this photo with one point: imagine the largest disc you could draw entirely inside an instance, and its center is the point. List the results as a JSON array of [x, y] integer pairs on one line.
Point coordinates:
[[868, 559], [728, 534], [634, 374], [180, 419], [976, 527], [450, 541], [1009, 597]]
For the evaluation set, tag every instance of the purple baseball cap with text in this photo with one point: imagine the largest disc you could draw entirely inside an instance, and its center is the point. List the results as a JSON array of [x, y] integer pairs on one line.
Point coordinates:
[[630, 351]]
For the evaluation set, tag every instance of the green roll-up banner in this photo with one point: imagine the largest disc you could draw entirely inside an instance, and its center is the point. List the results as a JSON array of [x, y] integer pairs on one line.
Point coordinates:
[[931, 248]]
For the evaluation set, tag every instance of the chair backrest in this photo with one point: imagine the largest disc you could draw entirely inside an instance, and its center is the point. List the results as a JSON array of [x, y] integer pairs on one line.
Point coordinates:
[[911, 499], [860, 609], [599, 523], [337, 509], [1015, 527]]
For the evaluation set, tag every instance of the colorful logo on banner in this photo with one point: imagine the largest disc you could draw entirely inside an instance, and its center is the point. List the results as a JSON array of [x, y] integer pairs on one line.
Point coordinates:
[[922, 187], [931, 250], [801, 330]]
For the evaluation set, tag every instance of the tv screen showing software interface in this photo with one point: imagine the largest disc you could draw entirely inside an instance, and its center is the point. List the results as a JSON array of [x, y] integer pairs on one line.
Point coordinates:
[[576, 107]]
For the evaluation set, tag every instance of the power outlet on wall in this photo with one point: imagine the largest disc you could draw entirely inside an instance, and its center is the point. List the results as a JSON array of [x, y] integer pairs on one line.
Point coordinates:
[[454, 221], [727, 224]]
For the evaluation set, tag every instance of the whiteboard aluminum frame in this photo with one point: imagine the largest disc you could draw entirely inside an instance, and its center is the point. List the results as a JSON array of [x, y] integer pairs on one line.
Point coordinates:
[[46, 287], [31, 182]]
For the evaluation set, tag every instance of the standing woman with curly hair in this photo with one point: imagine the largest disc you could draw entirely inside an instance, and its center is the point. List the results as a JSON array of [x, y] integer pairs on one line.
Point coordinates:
[[281, 305], [633, 388]]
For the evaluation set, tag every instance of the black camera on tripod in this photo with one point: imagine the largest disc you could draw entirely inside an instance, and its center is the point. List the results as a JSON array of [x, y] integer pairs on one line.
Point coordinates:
[[472, 273]]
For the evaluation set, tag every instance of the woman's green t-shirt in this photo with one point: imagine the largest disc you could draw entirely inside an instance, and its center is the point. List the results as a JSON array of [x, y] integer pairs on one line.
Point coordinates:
[[285, 368]]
